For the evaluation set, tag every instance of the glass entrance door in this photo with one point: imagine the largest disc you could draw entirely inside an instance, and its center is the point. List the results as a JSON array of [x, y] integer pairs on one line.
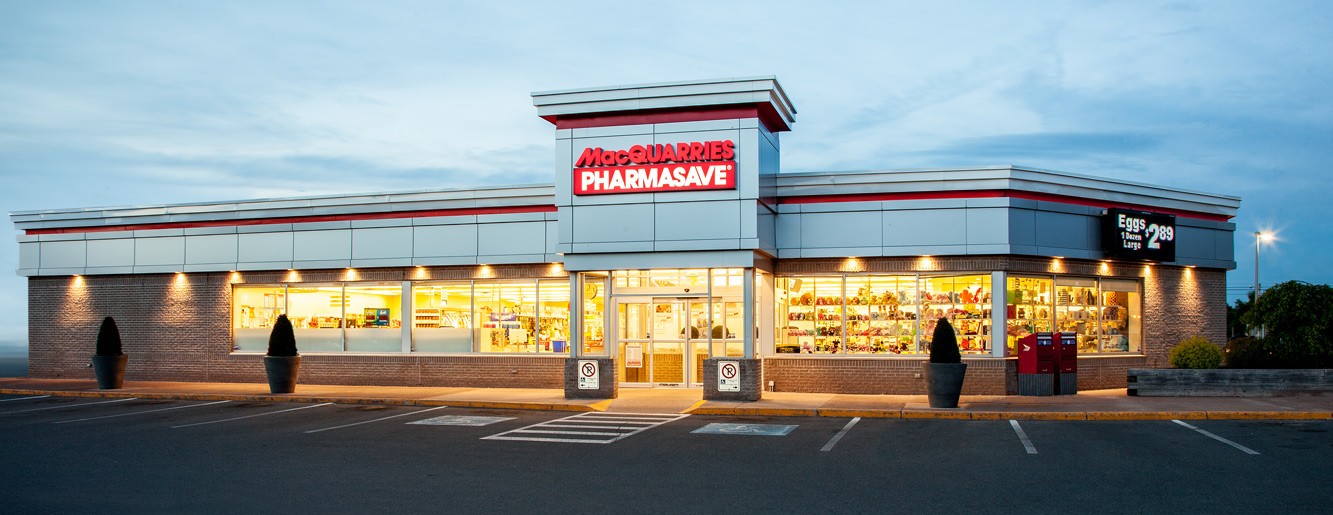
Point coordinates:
[[662, 342]]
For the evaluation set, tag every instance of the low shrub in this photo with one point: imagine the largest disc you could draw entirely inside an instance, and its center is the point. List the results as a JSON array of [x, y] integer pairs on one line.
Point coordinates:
[[1196, 352], [1246, 352]]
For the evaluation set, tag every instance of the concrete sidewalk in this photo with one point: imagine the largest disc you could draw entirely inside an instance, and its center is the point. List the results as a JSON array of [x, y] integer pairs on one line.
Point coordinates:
[[1087, 405]]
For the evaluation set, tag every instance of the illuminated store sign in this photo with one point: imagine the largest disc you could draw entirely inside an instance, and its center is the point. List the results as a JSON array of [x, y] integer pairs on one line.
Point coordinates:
[[1138, 235], [707, 165]]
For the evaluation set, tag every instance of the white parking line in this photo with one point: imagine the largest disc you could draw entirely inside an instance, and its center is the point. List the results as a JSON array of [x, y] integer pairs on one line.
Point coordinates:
[[600, 428], [67, 406], [840, 434], [376, 420], [1023, 437], [25, 398], [140, 412], [251, 416], [1243, 448]]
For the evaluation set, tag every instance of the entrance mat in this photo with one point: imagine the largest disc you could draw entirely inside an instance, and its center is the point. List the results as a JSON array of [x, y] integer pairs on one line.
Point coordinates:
[[461, 420], [745, 429]]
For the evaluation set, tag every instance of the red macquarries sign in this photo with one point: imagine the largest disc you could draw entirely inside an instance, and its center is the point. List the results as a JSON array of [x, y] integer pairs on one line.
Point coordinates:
[[707, 165]]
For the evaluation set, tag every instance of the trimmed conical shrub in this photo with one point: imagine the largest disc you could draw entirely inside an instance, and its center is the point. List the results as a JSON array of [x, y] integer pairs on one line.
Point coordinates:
[[108, 339], [282, 341], [944, 344]]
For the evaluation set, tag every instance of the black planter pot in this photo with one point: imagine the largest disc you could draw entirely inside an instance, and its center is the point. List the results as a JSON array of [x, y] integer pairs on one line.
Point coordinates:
[[282, 372], [944, 383], [110, 371]]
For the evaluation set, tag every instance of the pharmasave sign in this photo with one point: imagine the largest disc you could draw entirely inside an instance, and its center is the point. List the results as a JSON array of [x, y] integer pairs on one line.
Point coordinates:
[[699, 165], [1138, 235]]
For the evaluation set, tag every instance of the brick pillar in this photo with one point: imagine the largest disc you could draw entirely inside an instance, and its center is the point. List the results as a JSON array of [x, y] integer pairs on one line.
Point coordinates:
[[750, 380], [608, 387]]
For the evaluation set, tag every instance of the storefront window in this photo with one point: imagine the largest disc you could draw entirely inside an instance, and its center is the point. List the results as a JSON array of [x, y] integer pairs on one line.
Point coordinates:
[[374, 317], [316, 313], [965, 301], [594, 307], [1122, 321], [442, 317], [1029, 308], [1076, 310], [553, 322], [506, 315], [254, 310], [812, 310], [881, 315]]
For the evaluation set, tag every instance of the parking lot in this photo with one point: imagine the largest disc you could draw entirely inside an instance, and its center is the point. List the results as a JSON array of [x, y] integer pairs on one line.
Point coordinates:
[[133, 455]]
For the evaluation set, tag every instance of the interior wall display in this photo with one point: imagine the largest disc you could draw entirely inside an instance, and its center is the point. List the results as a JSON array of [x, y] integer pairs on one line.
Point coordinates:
[[1138, 235]]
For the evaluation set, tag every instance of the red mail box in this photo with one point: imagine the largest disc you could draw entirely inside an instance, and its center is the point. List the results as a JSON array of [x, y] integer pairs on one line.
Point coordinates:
[[1036, 354], [1066, 359]]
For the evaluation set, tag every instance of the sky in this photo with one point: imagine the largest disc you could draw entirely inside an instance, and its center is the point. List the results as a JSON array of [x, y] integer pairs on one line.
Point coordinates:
[[144, 103]]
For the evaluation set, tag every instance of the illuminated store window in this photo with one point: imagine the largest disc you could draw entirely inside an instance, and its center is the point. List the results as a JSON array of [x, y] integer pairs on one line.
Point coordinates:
[[506, 315], [316, 312], [965, 301], [553, 316], [1030, 308], [594, 309], [374, 317], [254, 310], [811, 307], [442, 317], [881, 314], [1076, 310], [1121, 316]]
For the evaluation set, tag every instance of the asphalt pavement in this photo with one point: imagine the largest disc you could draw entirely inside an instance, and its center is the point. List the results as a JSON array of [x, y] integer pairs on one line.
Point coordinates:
[[1087, 405], [125, 454]]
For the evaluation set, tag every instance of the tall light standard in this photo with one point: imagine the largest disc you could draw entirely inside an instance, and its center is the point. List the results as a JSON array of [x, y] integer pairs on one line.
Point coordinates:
[[1259, 238]]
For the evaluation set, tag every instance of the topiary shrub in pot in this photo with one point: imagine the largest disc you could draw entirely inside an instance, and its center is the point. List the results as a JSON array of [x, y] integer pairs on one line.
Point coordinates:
[[1196, 352], [282, 363], [945, 370], [109, 358]]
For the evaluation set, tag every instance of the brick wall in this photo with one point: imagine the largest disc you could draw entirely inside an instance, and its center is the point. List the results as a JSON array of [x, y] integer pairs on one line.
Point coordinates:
[[1101, 372], [177, 328], [1179, 303], [986, 376]]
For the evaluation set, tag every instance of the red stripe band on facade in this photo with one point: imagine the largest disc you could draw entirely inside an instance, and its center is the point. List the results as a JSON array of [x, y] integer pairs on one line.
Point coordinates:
[[468, 211], [764, 112], [966, 194]]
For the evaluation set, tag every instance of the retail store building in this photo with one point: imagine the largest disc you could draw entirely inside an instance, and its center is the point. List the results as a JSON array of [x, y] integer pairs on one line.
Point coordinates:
[[669, 239]]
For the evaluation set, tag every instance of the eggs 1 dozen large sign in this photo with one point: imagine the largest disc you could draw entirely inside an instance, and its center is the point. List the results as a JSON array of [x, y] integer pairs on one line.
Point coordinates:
[[1138, 235], [706, 165]]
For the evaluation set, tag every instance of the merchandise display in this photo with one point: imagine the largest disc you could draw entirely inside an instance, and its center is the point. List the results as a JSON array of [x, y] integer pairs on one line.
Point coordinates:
[[881, 314]]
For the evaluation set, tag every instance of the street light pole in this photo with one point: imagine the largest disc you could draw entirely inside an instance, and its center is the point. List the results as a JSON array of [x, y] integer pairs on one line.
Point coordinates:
[[1258, 236]]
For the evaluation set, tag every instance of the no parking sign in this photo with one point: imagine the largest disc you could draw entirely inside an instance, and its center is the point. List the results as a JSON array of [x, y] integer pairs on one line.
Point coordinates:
[[728, 376], [589, 377]]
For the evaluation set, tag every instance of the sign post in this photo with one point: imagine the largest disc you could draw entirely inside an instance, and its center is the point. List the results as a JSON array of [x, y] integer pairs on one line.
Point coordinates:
[[728, 376], [590, 377]]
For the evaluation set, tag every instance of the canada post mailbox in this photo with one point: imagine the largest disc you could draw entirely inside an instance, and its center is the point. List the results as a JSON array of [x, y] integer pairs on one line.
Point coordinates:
[[1066, 364], [1036, 364]]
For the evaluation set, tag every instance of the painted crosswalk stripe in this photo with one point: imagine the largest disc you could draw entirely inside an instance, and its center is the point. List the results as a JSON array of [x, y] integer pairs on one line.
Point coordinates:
[[140, 412], [376, 420], [1023, 437], [840, 434], [62, 406], [252, 416], [25, 398], [1243, 448], [592, 427]]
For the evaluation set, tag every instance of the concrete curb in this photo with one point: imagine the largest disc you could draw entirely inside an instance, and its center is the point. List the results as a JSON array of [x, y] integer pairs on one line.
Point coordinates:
[[700, 408], [293, 397], [917, 414]]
